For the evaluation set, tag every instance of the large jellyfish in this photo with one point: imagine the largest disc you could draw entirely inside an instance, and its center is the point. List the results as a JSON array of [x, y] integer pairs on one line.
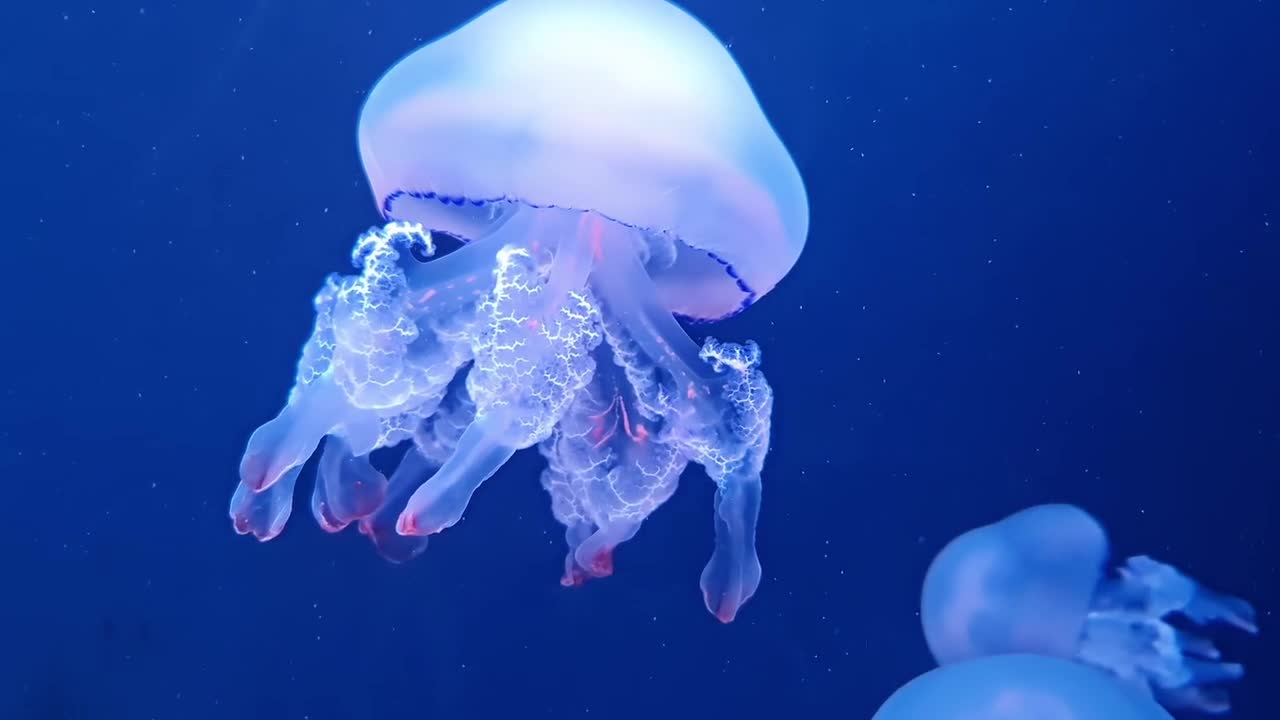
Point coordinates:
[[1035, 582], [1017, 687], [607, 169]]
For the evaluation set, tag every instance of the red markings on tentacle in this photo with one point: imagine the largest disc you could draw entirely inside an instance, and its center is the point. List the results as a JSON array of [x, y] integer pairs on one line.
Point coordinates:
[[601, 433], [601, 437], [640, 434], [606, 424], [573, 577], [407, 525], [726, 614], [596, 230], [602, 563], [724, 609], [327, 519]]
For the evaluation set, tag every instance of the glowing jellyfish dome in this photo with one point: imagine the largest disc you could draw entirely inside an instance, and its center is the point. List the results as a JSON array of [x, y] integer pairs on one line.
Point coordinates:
[[608, 168], [1017, 687]]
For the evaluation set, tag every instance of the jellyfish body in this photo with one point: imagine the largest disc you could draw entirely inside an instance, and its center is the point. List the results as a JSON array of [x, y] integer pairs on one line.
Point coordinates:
[[608, 168], [1036, 582], [630, 109], [1017, 687]]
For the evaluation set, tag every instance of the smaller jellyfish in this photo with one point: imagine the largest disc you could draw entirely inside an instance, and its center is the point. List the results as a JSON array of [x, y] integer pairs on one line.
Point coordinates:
[[1017, 687], [1035, 582]]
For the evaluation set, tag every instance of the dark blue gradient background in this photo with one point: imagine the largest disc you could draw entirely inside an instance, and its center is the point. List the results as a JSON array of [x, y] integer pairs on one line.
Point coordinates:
[[1043, 267]]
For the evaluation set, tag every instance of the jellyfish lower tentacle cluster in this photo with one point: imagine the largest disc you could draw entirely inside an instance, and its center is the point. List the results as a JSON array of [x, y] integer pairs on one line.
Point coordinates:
[[1128, 632], [1036, 582], [538, 335]]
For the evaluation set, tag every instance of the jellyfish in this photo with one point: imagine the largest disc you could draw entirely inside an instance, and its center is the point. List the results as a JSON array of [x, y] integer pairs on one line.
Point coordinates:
[[603, 172], [1035, 582], [1017, 687]]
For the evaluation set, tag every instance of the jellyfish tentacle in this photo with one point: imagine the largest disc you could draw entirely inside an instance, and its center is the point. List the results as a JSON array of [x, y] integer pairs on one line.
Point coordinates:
[[642, 474], [727, 432], [347, 487], [380, 526], [368, 373], [443, 283], [440, 502], [264, 513], [594, 556], [575, 532], [434, 441], [1211, 700], [293, 434], [711, 404], [437, 437], [1162, 590], [1128, 633], [625, 288], [607, 470], [733, 573], [572, 263], [286, 441], [532, 357]]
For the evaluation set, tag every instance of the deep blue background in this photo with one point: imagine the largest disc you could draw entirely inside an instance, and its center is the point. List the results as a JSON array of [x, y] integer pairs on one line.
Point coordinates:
[[1043, 266]]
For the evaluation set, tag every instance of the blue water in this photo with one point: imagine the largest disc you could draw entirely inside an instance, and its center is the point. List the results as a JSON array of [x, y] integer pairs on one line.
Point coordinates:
[[1042, 267]]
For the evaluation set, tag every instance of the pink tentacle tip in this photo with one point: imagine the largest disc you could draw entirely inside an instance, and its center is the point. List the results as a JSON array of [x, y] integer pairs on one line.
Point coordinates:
[[724, 611], [328, 521], [411, 525], [406, 524], [573, 578]]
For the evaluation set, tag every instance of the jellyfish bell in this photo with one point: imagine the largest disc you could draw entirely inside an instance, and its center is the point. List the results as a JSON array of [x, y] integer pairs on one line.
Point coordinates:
[[609, 169], [1017, 687], [1030, 591], [629, 109]]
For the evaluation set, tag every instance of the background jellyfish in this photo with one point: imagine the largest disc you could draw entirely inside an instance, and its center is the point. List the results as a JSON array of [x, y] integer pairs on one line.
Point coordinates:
[[609, 169], [1017, 687], [1035, 582]]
